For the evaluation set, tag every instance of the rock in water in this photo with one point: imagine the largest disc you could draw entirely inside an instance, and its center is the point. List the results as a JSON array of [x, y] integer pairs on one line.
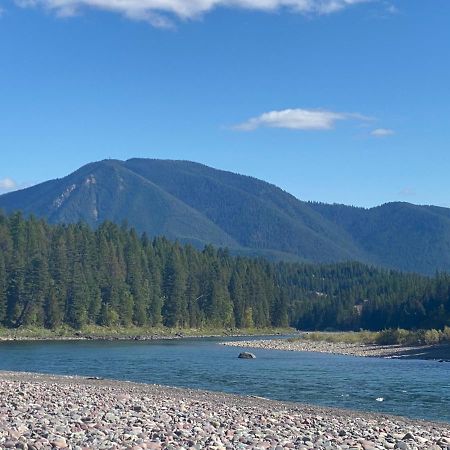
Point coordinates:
[[246, 355]]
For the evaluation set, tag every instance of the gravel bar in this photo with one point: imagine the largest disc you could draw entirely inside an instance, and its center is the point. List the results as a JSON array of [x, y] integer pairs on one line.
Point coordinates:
[[55, 412], [341, 348]]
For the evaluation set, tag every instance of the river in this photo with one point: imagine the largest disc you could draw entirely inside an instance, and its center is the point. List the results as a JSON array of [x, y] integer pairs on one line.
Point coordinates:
[[411, 388]]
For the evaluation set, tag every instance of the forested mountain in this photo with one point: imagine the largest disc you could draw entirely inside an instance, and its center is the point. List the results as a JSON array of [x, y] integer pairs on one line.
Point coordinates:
[[200, 205], [400, 235], [71, 274]]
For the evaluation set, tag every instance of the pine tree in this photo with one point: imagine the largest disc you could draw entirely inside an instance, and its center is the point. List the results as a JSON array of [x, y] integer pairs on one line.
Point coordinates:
[[59, 273], [137, 297], [153, 284], [237, 294], [280, 316], [53, 312], [34, 293], [78, 295], [174, 309], [193, 296], [3, 305]]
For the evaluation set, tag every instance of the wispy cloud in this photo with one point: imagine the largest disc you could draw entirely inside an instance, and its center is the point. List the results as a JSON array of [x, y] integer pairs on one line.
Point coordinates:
[[392, 9], [162, 12], [382, 132], [7, 184], [298, 119]]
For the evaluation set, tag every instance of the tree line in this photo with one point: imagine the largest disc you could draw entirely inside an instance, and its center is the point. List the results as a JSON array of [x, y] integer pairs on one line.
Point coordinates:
[[53, 275]]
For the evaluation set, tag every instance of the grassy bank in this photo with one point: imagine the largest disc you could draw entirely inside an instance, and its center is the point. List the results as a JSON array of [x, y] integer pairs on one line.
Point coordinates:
[[385, 337], [98, 332]]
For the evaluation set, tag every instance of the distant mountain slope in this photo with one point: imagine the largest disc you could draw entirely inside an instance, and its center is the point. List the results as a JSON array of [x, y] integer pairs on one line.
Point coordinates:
[[399, 235], [198, 204]]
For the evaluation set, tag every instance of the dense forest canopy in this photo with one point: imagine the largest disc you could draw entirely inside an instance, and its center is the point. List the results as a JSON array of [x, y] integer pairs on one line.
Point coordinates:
[[51, 275]]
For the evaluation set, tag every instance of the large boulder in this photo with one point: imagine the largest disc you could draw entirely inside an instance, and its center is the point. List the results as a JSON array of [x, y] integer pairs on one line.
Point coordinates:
[[246, 355]]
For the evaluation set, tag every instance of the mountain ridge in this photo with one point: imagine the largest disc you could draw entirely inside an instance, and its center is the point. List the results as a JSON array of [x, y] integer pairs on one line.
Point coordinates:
[[195, 203]]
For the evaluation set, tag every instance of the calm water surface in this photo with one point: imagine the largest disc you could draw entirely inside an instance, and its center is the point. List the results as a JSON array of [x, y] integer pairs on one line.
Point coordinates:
[[413, 388]]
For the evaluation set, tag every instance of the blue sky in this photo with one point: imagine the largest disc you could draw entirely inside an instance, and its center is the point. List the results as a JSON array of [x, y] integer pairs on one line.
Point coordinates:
[[343, 101]]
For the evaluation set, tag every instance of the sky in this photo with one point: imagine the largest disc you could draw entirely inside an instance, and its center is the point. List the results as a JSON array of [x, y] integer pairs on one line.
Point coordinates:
[[338, 101]]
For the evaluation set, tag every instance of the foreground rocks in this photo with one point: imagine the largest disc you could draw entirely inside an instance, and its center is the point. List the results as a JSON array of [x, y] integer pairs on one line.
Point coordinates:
[[341, 348], [49, 412]]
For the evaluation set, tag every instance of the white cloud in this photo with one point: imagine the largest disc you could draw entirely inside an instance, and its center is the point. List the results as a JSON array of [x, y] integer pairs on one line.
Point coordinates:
[[7, 184], [298, 119], [382, 132], [161, 12]]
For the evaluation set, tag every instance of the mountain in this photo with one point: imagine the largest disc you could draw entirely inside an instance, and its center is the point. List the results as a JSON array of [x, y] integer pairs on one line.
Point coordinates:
[[201, 205], [398, 235]]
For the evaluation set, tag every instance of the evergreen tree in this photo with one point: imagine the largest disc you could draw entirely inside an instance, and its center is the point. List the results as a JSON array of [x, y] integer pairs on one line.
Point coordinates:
[[174, 309], [153, 287], [54, 315], [3, 305], [78, 296], [34, 293]]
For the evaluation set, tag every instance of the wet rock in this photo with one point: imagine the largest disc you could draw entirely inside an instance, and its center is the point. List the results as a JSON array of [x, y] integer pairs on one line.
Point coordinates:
[[246, 355]]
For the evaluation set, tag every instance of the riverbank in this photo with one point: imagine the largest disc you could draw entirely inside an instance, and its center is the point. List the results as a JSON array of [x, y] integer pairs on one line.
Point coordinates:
[[439, 352], [132, 333], [51, 412]]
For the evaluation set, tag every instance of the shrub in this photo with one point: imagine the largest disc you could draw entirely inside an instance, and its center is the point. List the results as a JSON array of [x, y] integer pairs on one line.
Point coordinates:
[[389, 337], [445, 335], [431, 337]]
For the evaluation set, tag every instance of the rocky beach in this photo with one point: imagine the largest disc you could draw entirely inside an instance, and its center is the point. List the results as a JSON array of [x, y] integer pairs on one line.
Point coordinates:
[[54, 412], [439, 352]]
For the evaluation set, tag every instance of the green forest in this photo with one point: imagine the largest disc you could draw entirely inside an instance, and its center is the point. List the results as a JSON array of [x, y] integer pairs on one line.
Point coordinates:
[[54, 275]]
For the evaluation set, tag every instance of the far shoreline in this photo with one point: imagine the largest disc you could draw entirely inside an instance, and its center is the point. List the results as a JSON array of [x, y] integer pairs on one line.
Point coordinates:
[[135, 334], [438, 352]]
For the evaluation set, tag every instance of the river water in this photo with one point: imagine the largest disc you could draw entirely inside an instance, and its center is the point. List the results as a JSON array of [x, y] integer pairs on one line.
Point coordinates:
[[412, 388]]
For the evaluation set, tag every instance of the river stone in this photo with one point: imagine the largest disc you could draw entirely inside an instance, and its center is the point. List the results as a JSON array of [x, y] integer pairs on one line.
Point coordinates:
[[59, 443], [408, 436], [246, 355]]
